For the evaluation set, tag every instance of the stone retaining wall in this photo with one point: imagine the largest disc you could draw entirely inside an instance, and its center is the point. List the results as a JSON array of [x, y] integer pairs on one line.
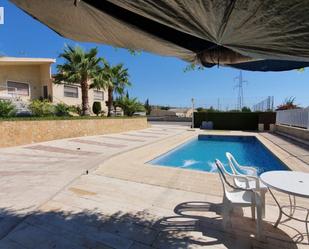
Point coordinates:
[[21, 132], [293, 132]]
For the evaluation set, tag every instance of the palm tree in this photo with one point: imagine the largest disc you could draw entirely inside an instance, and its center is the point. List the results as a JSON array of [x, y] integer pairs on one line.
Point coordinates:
[[130, 105], [80, 67], [117, 80]]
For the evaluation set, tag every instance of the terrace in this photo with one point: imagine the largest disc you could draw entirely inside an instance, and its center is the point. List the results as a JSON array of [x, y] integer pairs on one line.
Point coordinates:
[[99, 192]]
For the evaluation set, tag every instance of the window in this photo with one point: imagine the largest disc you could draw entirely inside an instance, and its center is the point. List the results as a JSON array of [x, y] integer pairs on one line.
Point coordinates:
[[18, 88], [98, 95], [70, 91]]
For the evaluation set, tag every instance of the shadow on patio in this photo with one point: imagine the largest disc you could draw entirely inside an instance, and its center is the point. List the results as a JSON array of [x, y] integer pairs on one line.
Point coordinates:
[[203, 219], [196, 224]]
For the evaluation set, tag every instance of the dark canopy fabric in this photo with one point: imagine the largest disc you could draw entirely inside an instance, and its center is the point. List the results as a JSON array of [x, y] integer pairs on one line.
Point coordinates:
[[260, 35]]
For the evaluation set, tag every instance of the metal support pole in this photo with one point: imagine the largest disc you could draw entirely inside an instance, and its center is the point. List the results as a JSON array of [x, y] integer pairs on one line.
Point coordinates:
[[192, 125]]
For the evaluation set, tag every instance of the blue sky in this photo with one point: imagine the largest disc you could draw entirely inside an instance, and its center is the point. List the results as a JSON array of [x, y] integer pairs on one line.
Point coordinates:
[[161, 79]]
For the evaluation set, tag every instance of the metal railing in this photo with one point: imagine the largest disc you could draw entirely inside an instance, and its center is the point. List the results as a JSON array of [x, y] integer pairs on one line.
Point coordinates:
[[294, 117], [265, 105]]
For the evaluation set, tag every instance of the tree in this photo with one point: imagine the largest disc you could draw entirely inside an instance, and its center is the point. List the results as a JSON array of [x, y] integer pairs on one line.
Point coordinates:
[[200, 109], [234, 110], [211, 109], [116, 79], [147, 107], [80, 67], [97, 108], [130, 106], [166, 108], [289, 103], [245, 109]]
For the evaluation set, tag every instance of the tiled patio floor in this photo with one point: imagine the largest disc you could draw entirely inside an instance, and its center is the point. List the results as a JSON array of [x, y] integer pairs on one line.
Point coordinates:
[[48, 200], [301, 151]]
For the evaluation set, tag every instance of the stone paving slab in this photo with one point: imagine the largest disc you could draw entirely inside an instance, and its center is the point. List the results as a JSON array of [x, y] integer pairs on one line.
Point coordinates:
[[294, 148], [55, 149], [30, 175], [125, 139], [140, 135], [304, 158], [125, 203], [162, 218], [91, 142]]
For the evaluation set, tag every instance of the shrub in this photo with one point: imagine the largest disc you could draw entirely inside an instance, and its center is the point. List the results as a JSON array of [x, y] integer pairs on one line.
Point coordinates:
[[75, 109], [228, 120], [246, 109], [40, 108], [289, 103], [62, 109], [7, 108], [130, 106], [97, 108]]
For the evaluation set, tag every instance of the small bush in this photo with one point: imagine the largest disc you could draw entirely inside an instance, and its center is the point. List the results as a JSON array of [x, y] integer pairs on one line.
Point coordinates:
[[7, 109], [97, 108], [62, 109], [40, 108], [75, 109]]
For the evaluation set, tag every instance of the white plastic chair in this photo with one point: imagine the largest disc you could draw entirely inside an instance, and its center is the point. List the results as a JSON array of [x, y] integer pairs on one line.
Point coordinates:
[[234, 196], [253, 182], [251, 171]]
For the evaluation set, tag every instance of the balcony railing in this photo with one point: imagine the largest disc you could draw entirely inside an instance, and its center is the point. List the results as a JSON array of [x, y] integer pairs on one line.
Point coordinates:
[[294, 117]]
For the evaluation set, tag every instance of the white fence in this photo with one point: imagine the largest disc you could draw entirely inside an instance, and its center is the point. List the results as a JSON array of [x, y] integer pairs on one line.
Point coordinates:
[[294, 117]]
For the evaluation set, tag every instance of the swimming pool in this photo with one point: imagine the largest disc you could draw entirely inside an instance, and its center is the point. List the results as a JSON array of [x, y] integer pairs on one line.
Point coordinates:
[[201, 152]]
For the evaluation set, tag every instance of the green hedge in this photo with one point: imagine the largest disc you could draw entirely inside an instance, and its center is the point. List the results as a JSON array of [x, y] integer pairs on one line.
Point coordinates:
[[232, 120]]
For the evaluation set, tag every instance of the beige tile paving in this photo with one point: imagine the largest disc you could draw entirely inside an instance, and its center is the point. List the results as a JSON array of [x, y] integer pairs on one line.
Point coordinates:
[[293, 148], [31, 175], [125, 202], [113, 213]]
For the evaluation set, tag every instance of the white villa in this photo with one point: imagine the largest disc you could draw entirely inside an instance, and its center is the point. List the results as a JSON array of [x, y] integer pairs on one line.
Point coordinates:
[[25, 79]]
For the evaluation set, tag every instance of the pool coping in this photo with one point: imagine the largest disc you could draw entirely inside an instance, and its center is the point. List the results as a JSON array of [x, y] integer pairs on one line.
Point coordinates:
[[171, 150], [288, 159], [133, 165]]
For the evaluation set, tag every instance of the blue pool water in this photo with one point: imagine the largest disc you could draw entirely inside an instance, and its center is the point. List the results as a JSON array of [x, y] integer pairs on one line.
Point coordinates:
[[200, 154]]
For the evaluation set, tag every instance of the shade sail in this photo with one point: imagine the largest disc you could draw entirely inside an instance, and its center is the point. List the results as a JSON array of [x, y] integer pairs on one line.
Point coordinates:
[[260, 35]]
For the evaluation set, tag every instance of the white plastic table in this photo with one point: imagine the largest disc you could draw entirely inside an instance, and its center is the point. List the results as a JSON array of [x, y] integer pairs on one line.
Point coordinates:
[[293, 183]]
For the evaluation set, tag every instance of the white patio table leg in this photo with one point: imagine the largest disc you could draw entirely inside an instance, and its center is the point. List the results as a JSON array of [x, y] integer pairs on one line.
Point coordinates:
[[292, 205], [280, 209], [306, 224], [289, 216], [263, 202], [294, 184]]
